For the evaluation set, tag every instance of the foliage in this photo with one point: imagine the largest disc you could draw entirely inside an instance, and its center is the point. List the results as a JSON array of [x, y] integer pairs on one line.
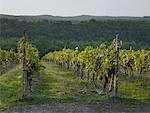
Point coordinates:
[[99, 64], [32, 56], [7, 59], [55, 35]]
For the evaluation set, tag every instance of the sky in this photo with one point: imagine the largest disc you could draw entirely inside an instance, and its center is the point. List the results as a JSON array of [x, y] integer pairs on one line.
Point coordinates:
[[76, 7]]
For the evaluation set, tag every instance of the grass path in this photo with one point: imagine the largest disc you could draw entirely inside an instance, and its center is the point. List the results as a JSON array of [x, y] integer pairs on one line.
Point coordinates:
[[56, 88], [60, 86]]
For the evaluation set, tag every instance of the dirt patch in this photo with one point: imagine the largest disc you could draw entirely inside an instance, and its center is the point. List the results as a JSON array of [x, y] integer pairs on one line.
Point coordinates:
[[80, 108]]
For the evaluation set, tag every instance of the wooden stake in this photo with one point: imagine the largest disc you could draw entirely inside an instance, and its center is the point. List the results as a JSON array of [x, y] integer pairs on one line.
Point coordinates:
[[25, 78], [117, 67]]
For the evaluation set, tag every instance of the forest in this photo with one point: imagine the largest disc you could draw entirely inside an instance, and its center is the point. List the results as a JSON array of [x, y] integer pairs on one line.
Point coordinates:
[[51, 35]]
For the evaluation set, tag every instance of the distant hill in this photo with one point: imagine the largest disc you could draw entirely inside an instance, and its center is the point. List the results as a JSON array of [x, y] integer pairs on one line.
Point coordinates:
[[73, 18]]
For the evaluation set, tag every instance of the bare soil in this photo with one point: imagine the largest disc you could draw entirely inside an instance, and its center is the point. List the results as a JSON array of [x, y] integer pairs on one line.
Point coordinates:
[[80, 108]]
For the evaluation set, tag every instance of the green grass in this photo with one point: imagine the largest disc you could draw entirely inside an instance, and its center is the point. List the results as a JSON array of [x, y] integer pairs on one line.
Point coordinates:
[[57, 85], [10, 87], [137, 89], [60, 86]]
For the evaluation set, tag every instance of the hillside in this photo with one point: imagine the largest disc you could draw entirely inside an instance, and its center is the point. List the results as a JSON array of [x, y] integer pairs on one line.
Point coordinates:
[[49, 35]]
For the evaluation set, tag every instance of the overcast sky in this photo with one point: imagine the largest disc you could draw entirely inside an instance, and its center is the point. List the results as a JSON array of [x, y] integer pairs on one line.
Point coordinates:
[[76, 7]]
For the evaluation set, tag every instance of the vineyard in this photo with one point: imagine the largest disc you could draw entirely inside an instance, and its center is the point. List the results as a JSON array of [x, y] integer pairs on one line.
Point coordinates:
[[74, 56], [7, 58], [107, 73], [99, 65]]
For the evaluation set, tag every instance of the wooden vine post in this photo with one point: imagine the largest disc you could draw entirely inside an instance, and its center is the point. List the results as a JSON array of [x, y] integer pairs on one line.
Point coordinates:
[[117, 66], [26, 92]]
